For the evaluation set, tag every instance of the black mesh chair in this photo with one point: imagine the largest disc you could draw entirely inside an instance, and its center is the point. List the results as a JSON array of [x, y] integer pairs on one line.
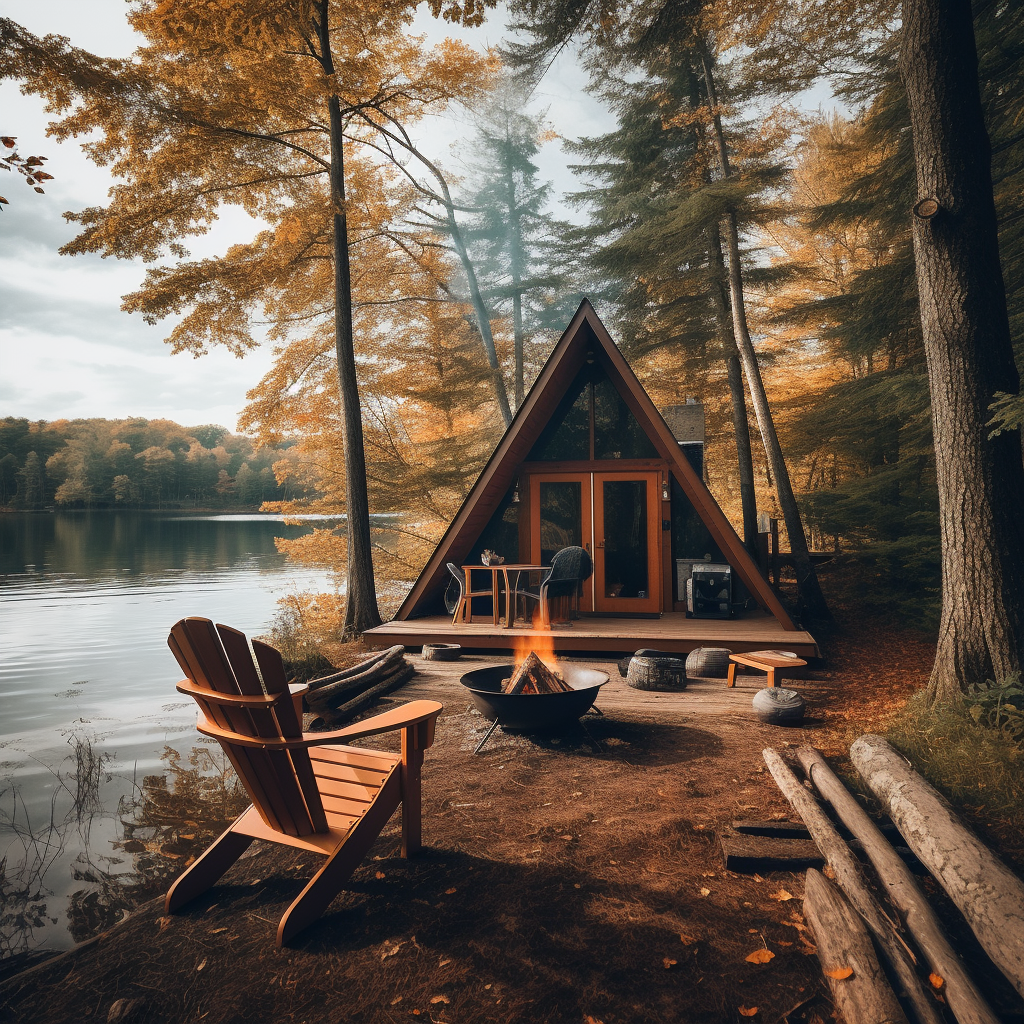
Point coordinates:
[[458, 598], [570, 568]]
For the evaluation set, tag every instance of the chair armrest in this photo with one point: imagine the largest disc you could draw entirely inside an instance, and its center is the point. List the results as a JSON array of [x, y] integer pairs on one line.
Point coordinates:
[[398, 718]]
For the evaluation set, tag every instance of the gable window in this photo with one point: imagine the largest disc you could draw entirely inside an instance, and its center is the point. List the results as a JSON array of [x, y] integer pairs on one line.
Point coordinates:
[[592, 422]]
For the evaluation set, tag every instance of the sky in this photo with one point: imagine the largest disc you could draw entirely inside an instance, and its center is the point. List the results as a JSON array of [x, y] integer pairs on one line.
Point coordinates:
[[66, 348]]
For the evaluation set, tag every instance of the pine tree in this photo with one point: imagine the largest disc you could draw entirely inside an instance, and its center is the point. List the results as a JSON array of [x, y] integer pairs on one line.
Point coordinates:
[[510, 236]]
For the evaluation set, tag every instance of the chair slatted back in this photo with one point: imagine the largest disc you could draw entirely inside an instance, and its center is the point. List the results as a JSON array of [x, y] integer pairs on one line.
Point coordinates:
[[279, 782]]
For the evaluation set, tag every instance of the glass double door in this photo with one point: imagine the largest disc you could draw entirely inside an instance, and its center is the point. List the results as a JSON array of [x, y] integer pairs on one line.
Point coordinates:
[[616, 517]]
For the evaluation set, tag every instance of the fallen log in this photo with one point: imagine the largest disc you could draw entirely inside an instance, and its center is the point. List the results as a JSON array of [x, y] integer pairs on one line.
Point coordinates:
[[798, 830], [346, 712], [989, 895], [863, 996], [851, 880], [355, 679], [963, 996], [747, 853]]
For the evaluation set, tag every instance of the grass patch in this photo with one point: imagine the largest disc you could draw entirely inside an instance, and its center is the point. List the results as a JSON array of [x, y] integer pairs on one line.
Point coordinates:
[[972, 752]]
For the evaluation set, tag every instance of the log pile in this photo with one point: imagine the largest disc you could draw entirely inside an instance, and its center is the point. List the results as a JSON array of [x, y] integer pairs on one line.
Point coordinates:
[[533, 676], [905, 929], [339, 697]]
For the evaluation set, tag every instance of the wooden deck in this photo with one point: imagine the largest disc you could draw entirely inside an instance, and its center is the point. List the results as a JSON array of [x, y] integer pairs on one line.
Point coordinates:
[[671, 632], [438, 680]]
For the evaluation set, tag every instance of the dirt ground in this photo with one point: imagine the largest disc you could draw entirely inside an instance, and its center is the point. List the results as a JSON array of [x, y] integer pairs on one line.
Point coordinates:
[[576, 878]]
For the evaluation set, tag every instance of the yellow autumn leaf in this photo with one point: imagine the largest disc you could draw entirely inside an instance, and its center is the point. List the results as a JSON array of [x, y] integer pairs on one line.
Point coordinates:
[[937, 980], [669, 963], [760, 956], [439, 999], [840, 973], [747, 1011], [781, 896], [380, 874], [705, 891], [448, 892]]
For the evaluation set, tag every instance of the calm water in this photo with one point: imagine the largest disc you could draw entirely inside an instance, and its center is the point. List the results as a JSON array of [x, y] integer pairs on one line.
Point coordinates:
[[89, 706]]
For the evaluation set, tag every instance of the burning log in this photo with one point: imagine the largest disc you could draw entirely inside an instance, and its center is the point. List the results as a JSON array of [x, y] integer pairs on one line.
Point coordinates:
[[533, 676]]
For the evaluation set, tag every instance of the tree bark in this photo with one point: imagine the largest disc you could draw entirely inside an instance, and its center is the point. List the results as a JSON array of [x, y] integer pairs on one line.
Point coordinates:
[[361, 611], [966, 1002], [989, 895], [842, 940], [849, 876], [811, 597], [968, 350], [740, 422]]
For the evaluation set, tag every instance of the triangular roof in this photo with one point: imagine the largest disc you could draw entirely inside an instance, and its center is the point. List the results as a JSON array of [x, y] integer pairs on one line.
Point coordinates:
[[585, 334]]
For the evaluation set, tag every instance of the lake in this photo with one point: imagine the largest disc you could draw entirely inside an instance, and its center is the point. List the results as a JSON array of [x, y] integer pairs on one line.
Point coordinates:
[[92, 727]]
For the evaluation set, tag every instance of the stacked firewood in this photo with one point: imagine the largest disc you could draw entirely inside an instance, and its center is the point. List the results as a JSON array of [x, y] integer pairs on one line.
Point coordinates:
[[849, 921], [339, 697], [533, 676]]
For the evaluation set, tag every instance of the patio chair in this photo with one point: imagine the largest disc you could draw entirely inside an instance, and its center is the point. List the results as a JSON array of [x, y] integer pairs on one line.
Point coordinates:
[[307, 791], [458, 606], [570, 567]]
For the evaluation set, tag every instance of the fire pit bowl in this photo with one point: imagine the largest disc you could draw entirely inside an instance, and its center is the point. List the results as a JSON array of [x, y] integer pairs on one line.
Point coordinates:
[[533, 711]]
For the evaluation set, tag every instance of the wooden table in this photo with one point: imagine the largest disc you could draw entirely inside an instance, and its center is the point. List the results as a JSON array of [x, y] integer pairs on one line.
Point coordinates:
[[494, 570], [767, 661]]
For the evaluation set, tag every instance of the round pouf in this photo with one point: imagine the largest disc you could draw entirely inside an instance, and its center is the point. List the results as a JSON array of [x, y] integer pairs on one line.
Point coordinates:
[[441, 652], [708, 663], [776, 706], [651, 672], [644, 652]]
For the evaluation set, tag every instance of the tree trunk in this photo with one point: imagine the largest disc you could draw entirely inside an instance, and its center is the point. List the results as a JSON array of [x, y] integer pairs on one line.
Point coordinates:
[[361, 612], [842, 940], [482, 316], [989, 894], [740, 422], [515, 259], [811, 597], [966, 1002], [968, 350]]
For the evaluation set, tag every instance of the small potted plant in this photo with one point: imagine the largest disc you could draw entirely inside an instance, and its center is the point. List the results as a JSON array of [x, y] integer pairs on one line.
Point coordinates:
[[489, 557]]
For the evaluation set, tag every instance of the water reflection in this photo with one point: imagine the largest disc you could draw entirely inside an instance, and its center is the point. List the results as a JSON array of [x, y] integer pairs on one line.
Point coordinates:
[[91, 721], [163, 825]]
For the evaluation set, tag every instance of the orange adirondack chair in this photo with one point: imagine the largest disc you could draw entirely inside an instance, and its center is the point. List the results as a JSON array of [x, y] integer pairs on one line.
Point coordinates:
[[307, 791]]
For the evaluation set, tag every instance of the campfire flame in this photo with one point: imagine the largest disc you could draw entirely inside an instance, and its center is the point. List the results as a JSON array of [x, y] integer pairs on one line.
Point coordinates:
[[541, 643]]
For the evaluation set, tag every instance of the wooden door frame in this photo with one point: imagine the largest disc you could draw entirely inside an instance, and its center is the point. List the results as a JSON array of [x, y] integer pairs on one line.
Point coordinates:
[[585, 479], [655, 598]]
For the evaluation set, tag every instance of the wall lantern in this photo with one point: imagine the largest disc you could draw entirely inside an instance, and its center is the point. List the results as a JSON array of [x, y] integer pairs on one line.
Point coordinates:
[[665, 495]]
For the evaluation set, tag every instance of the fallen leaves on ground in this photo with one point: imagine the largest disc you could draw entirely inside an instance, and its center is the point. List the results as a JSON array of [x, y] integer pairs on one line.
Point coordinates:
[[937, 980], [705, 891], [669, 964], [760, 956], [781, 896], [747, 1011], [687, 940], [840, 973], [439, 999]]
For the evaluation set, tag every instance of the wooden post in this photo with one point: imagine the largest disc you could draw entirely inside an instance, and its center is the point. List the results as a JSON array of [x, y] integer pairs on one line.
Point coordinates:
[[415, 739], [851, 880], [966, 1002], [864, 997], [988, 894]]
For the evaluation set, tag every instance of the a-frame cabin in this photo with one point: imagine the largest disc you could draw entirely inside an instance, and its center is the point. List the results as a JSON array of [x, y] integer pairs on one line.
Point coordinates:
[[589, 460]]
